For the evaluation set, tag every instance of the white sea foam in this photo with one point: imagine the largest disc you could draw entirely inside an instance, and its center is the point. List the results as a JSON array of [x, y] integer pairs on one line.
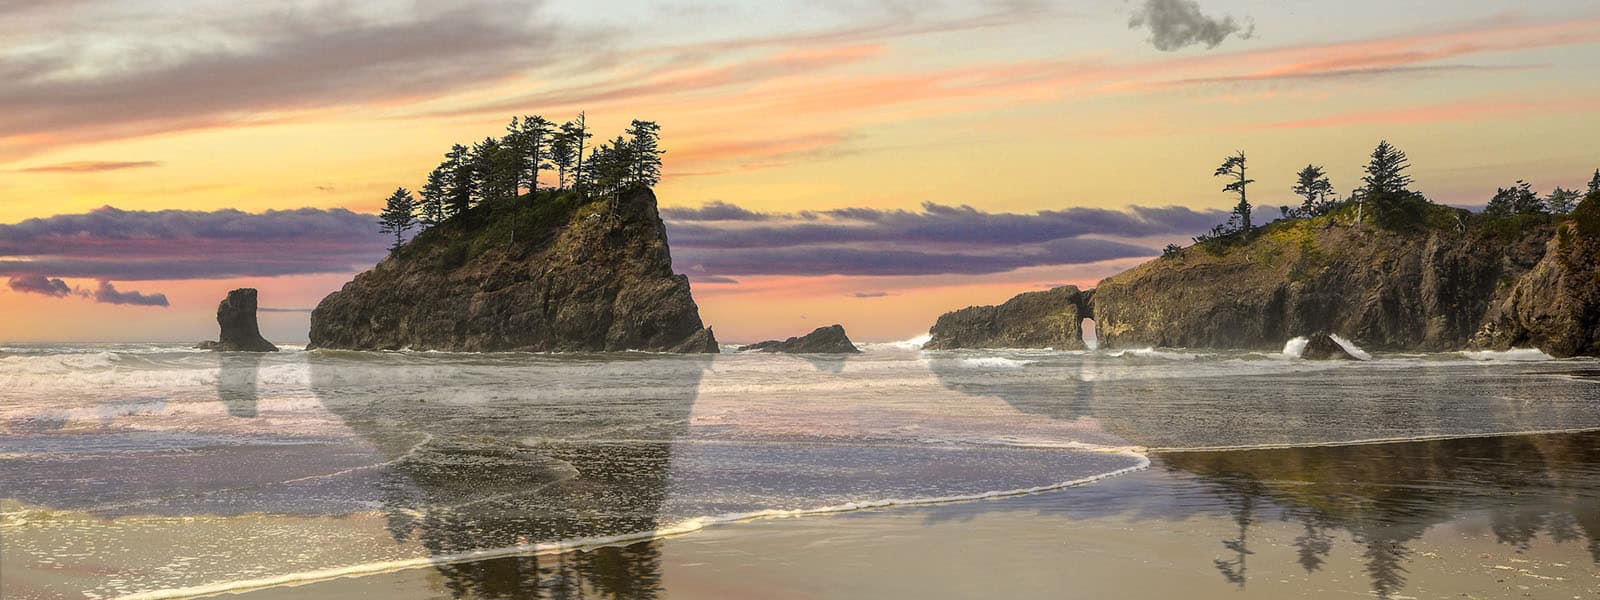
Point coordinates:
[[915, 343], [1296, 347], [1154, 353], [1512, 355], [1350, 347], [994, 362]]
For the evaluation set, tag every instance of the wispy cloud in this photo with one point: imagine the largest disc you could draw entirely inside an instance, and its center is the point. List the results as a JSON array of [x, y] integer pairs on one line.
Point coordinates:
[[90, 166], [1453, 111]]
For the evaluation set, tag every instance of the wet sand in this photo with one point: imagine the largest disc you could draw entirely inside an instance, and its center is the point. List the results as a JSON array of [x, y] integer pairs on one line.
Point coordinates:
[[1515, 517]]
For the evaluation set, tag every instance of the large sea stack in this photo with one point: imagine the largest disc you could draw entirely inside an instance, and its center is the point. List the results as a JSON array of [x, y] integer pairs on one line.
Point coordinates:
[[236, 317], [1457, 281], [551, 272]]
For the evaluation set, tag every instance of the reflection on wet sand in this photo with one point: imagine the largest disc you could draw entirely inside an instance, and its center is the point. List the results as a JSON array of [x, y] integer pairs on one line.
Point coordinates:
[[1387, 495], [483, 467]]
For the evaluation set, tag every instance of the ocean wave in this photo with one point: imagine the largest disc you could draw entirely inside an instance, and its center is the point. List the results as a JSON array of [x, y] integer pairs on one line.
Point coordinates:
[[994, 362], [1154, 353], [1512, 355]]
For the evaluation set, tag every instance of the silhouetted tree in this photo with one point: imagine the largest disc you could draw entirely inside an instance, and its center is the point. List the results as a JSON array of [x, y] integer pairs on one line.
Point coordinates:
[[577, 130], [1312, 184], [1234, 167], [644, 152], [1518, 199], [1594, 182], [561, 156], [1561, 201], [398, 216], [461, 185], [431, 211], [1394, 206], [534, 147]]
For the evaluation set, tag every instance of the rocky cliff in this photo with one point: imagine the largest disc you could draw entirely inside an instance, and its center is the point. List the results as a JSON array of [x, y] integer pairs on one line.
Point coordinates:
[[554, 272], [1460, 281], [1048, 319], [823, 340]]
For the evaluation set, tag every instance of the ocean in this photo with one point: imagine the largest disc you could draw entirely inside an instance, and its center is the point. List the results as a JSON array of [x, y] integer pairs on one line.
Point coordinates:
[[157, 471]]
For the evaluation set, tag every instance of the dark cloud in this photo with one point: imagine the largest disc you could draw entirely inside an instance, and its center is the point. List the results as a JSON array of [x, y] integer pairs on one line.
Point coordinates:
[[714, 279], [1178, 24], [91, 166], [108, 294], [39, 284], [119, 245], [834, 260], [715, 210], [870, 294], [252, 65]]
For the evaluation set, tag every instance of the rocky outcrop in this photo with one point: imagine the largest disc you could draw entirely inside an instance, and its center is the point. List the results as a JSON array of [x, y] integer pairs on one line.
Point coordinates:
[[1047, 319], [1556, 306], [1323, 347], [236, 316], [550, 273], [1427, 290], [823, 340]]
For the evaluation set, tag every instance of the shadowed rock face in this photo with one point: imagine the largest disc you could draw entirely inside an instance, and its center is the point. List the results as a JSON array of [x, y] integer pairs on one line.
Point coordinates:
[[1048, 319], [824, 340], [236, 315], [1556, 306], [1322, 347], [552, 273]]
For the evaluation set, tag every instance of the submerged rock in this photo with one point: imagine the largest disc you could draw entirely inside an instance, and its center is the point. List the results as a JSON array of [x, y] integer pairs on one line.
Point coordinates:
[[553, 272], [1048, 319], [1323, 347], [823, 340], [236, 316]]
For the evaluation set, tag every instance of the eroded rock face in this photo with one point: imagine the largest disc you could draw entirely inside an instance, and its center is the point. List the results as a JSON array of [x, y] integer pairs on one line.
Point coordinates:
[[1556, 306], [1384, 290], [236, 316], [1048, 319], [1323, 347], [554, 273], [823, 340]]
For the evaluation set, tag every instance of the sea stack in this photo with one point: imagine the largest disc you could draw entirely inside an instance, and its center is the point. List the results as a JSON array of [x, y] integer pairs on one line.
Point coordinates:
[[236, 316], [548, 272], [1323, 347], [823, 340], [1047, 319]]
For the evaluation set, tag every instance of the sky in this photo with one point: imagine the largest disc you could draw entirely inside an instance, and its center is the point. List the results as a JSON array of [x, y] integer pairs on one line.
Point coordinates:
[[867, 163]]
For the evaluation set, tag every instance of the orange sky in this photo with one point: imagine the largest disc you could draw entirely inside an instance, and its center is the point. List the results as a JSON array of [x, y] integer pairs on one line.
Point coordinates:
[[1008, 107]]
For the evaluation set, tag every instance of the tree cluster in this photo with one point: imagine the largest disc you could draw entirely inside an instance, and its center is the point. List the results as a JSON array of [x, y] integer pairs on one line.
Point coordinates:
[[504, 168]]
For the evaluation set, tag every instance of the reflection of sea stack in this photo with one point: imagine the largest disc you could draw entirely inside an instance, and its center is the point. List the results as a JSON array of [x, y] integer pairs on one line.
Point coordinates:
[[823, 340], [1323, 347], [236, 383], [236, 316]]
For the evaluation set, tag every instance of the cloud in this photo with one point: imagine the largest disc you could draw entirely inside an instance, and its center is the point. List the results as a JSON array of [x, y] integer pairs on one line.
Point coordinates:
[[1178, 24], [108, 294], [120, 245], [714, 279], [39, 284], [722, 239], [870, 294], [90, 166], [283, 310], [257, 65]]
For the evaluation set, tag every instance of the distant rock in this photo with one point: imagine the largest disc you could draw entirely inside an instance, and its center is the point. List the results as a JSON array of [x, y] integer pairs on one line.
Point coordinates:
[[1047, 319], [1323, 347], [824, 340], [236, 316], [554, 272]]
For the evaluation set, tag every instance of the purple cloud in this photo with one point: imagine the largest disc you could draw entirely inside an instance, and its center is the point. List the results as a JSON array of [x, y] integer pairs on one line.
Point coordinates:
[[108, 294], [39, 284]]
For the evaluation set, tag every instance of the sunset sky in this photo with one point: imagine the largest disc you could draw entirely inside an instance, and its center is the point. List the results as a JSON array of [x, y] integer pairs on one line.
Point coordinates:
[[868, 163]]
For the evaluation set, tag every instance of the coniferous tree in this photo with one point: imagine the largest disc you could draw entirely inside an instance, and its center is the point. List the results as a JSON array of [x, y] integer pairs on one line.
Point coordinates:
[[1394, 205], [1312, 184], [1561, 201], [535, 149], [1234, 168], [1518, 199], [561, 156], [431, 210], [461, 186], [644, 150], [1594, 183], [577, 131], [514, 143], [398, 216]]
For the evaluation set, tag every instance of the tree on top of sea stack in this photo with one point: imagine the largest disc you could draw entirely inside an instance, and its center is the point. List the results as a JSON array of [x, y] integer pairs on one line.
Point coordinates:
[[398, 216], [1234, 167]]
